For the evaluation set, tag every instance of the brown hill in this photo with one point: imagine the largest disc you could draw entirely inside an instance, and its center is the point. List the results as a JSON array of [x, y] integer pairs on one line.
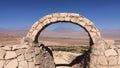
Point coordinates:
[[59, 34]]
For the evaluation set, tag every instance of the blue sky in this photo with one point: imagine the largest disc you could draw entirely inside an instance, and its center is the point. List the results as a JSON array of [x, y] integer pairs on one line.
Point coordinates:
[[23, 13]]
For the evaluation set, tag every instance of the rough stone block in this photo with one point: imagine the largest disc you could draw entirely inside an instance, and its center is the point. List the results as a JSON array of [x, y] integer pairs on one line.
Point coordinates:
[[89, 28], [20, 51], [31, 64], [7, 48], [110, 52], [23, 64], [67, 18], [40, 58], [113, 60], [82, 23], [20, 57], [48, 16], [30, 53], [56, 15], [75, 20], [2, 63], [52, 20], [20, 46], [86, 21], [94, 59], [117, 66], [75, 15], [118, 59], [10, 55], [102, 60], [37, 50], [63, 14], [2, 54], [12, 64], [92, 34], [47, 21], [61, 19]]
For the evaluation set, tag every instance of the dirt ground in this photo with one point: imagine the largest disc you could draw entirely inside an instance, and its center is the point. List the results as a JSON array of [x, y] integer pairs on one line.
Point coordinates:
[[64, 58]]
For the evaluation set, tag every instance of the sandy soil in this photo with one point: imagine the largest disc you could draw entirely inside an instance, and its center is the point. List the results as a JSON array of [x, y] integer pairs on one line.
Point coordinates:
[[64, 58]]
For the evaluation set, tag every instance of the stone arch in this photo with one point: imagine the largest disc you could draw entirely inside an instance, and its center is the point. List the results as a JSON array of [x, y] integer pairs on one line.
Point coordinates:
[[83, 22]]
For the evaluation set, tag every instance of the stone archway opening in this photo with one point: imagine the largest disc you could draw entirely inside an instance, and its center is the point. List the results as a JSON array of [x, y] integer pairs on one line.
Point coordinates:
[[67, 43], [66, 34], [88, 26]]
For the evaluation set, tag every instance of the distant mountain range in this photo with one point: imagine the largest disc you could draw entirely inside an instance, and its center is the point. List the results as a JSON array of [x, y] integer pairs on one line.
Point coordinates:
[[64, 29], [61, 32]]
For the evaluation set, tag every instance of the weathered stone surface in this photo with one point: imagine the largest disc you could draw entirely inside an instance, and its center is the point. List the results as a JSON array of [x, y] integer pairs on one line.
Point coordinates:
[[2, 63], [2, 54], [63, 14], [61, 19], [119, 59], [6, 48], [39, 27], [56, 15], [102, 60], [119, 51], [21, 58], [30, 53], [10, 55], [114, 67], [37, 50], [20, 51], [93, 34], [52, 20], [110, 52], [12, 64], [31, 64], [74, 20], [112, 60], [36, 24], [48, 16], [82, 23], [89, 28], [100, 66], [38, 57], [23, 64], [16, 47], [92, 66], [67, 18], [74, 15], [94, 59]]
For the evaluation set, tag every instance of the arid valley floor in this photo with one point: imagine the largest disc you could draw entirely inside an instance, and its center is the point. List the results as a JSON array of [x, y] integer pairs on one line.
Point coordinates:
[[58, 38]]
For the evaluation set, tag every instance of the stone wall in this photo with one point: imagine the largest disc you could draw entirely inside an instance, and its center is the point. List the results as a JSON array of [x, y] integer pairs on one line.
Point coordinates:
[[25, 56], [105, 56]]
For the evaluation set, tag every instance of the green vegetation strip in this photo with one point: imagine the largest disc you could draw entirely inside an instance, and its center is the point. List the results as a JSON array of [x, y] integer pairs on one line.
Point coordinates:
[[76, 49]]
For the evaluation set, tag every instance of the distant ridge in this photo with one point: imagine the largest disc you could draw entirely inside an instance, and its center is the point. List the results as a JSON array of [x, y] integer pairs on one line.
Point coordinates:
[[60, 31], [64, 29]]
